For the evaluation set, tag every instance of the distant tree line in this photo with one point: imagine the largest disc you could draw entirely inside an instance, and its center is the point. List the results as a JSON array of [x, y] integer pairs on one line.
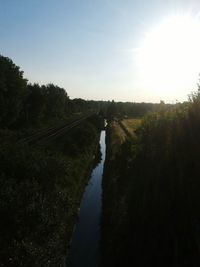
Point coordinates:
[[133, 109], [23, 104]]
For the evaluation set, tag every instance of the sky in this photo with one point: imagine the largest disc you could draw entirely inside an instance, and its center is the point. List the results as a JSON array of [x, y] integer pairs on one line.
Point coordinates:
[[90, 47]]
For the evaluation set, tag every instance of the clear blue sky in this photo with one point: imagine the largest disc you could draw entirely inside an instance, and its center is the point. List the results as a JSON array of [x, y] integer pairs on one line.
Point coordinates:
[[84, 46]]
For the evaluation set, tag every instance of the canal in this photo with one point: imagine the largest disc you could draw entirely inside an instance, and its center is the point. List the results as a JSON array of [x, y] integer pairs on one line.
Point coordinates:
[[85, 247]]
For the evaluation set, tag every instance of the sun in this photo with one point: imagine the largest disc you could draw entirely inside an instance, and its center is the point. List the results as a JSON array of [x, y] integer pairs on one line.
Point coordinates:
[[169, 57]]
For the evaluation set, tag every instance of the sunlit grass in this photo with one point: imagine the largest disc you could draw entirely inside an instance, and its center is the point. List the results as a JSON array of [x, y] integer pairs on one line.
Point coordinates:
[[117, 138], [131, 125]]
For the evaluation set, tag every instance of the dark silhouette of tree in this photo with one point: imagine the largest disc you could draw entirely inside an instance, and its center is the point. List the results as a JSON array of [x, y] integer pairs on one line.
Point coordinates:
[[55, 100], [35, 104], [12, 91]]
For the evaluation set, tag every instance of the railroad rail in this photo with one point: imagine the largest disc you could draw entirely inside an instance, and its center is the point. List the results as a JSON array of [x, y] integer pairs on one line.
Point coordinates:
[[53, 132]]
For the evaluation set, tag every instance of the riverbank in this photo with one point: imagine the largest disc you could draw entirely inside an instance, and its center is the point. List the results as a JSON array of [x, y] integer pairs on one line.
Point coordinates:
[[151, 193], [44, 185], [113, 202], [115, 192]]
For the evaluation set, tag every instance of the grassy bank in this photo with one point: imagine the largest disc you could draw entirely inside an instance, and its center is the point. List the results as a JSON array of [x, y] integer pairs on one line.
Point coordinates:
[[131, 125], [41, 189], [114, 210], [151, 191]]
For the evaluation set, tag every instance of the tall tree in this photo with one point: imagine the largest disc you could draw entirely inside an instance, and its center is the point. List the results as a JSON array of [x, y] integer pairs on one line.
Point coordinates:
[[12, 90]]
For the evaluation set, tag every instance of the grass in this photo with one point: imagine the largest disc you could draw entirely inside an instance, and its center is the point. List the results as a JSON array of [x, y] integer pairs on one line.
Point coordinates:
[[117, 137], [131, 125]]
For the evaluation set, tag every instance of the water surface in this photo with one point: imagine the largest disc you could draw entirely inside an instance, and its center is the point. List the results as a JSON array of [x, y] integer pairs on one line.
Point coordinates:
[[84, 250]]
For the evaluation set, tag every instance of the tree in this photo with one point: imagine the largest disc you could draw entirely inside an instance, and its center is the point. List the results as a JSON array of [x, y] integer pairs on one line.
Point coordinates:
[[35, 103], [55, 98], [12, 91]]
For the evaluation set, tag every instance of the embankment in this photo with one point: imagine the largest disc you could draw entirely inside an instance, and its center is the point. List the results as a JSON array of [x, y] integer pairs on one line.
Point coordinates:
[[115, 187], [41, 188], [151, 193]]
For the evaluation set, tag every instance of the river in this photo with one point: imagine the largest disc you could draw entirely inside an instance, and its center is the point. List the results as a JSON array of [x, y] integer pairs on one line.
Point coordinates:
[[85, 248]]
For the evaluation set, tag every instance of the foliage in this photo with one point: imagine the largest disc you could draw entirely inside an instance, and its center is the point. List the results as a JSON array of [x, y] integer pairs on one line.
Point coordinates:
[[154, 218], [12, 91], [131, 125], [40, 186], [26, 105], [132, 109], [40, 190]]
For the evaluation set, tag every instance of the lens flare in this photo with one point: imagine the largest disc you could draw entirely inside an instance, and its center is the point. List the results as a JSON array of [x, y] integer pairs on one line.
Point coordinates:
[[169, 57]]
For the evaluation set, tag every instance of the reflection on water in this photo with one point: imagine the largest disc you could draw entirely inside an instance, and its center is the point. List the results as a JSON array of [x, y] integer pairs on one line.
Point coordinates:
[[84, 251]]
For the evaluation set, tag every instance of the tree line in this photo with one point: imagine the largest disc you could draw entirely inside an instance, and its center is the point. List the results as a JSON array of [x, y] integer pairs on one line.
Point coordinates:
[[23, 104]]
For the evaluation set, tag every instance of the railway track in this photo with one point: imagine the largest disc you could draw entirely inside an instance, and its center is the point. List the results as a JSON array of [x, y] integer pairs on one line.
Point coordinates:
[[52, 133]]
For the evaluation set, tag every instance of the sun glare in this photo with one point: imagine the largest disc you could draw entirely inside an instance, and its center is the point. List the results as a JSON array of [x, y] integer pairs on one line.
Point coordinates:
[[169, 58]]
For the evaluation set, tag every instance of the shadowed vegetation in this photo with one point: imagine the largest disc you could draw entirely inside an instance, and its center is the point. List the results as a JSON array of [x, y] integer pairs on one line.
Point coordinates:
[[151, 181], [151, 192], [40, 186]]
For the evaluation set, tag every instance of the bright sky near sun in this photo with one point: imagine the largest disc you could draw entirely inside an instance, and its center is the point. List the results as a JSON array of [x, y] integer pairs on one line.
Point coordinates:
[[127, 50]]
